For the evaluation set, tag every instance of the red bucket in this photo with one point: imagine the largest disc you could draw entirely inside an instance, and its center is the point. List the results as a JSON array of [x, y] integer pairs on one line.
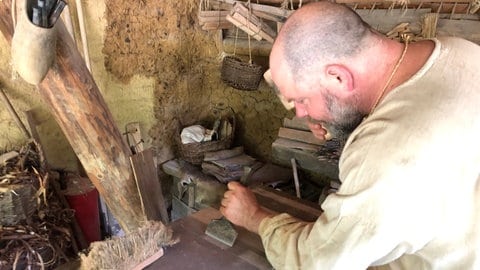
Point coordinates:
[[83, 198]]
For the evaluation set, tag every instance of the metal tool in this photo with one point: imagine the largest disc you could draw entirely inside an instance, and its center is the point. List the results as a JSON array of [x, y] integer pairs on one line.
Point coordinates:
[[45, 13], [247, 171], [295, 177], [221, 229]]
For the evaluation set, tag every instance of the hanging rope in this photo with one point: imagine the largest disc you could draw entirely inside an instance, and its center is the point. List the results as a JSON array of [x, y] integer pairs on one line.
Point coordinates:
[[248, 26], [14, 13], [235, 43]]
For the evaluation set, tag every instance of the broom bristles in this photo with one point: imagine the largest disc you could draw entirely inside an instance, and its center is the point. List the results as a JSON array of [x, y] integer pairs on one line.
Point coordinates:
[[128, 251]]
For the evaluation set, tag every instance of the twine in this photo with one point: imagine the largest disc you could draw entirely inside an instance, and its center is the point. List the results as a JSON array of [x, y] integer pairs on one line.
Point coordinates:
[[397, 65]]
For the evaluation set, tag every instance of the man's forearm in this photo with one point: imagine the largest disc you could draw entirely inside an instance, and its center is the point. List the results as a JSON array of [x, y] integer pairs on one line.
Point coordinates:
[[257, 218]]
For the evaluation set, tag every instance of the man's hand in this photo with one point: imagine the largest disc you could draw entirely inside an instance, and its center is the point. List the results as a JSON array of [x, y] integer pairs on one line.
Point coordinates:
[[318, 131], [240, 206]]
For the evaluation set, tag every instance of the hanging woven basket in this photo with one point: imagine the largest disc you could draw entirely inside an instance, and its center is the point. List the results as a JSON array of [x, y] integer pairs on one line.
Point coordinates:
[[241, 75]]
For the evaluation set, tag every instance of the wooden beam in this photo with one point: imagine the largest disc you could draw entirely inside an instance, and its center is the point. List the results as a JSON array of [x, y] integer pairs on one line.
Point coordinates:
[[263, 11], [459, 28], [77, 105]]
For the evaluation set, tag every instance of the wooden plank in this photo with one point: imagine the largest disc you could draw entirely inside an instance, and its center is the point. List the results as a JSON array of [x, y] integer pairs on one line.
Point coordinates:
[[246, 13], [282, 202], [268, 16], [218, 14], [223, 154], [257, 31], [149, 187], [197, 251], [286, 143], [157, 255], [245, 25], [134, 137], [305, 160], [296, 123], [217, 26], [219, 20], [384, 20], [272, 10], [299, 135], [460, 28], [70, 92]]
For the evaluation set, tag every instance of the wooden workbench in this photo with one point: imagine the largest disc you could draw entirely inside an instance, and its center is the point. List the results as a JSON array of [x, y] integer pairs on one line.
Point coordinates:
[[198, 251]]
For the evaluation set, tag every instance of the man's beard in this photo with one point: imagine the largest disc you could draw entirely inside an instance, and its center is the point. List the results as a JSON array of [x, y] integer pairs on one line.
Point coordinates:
[[345, 117]]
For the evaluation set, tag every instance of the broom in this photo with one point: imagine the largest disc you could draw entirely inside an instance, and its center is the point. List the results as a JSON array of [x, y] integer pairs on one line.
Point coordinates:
[[135, 250]]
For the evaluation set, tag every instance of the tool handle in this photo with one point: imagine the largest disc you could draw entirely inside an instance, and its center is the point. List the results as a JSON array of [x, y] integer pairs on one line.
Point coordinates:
[[57, 10], [247, 170]]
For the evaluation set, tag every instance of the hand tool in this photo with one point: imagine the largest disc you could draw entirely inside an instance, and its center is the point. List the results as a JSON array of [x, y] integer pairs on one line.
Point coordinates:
[[221, 229]]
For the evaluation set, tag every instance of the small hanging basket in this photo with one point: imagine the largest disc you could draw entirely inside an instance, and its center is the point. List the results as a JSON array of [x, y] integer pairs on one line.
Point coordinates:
[[241, 75]]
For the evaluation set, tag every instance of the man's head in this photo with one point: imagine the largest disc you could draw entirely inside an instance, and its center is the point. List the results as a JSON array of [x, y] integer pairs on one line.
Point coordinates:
[[309, 64]]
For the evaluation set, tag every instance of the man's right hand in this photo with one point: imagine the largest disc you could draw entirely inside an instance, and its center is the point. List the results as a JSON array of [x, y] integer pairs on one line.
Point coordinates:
[[240, 207], [318, 131]]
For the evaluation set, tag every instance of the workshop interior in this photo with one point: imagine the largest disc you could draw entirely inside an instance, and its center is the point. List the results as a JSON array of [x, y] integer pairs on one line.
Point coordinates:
[[122, 123]]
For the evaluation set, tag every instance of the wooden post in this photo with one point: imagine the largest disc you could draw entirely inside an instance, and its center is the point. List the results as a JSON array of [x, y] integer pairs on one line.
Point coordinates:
[[75, 101]]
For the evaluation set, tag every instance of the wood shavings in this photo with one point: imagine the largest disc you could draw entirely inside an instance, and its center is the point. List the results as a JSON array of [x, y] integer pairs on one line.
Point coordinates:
[[43, 240]]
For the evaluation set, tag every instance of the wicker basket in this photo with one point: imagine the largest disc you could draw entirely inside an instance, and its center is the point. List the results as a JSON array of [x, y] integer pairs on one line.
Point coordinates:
[[241, 75], [194, 152]]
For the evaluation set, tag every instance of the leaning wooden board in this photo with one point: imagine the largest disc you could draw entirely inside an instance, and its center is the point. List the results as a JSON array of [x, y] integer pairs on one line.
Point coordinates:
[[149, 187]]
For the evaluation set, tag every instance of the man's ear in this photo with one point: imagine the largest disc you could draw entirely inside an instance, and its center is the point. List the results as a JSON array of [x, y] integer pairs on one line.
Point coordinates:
[[339, 77]]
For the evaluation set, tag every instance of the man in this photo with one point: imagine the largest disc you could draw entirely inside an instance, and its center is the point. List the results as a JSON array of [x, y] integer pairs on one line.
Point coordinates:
[[410, 194]]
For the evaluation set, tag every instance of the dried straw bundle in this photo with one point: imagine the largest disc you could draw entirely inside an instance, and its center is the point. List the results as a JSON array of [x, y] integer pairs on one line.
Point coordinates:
[[130, 251]]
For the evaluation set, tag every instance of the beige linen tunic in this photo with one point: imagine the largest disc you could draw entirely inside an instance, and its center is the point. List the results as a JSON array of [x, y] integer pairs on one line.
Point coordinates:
[[410, 194]]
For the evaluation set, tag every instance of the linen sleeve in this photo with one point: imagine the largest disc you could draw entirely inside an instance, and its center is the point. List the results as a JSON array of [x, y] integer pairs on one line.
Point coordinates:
[[325, 244], [355, 232]]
